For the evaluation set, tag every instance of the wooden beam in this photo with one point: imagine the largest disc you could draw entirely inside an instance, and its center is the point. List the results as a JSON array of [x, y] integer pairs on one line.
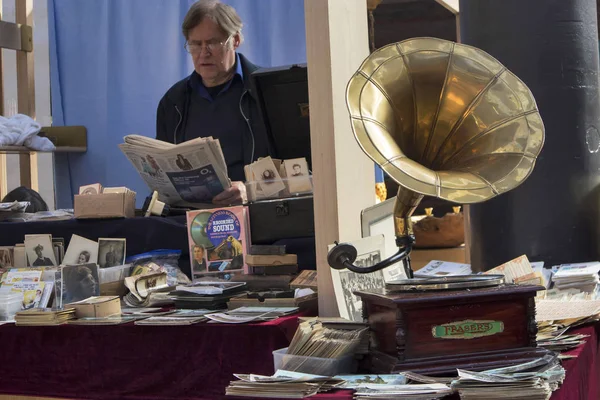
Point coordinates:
[[25, 77], [42, 164], [15, 36], [343, 176]]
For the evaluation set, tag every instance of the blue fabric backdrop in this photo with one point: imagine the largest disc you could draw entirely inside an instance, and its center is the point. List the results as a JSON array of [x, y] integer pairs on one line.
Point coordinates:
[[112, 60]]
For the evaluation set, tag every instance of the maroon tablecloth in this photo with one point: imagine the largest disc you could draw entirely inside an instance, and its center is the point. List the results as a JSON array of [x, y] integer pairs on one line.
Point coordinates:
[[582, 381], [136, 362], [185, 362]]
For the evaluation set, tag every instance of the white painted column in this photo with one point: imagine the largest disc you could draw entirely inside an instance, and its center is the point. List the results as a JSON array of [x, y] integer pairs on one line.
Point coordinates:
[[344, 179]]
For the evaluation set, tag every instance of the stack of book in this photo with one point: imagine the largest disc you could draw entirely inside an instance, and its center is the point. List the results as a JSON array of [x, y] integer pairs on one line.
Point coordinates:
[[44, 316]]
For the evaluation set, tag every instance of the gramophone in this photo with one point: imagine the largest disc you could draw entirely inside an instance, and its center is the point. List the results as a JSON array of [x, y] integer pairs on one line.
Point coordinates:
[[445, 120]]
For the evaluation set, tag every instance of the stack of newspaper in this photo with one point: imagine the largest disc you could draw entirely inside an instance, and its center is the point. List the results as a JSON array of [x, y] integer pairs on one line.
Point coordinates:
[[582, 276], [283, 384], [189, 174], [532, 380]]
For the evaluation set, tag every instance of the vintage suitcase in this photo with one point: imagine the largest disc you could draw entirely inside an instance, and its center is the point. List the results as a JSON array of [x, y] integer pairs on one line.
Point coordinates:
[[272, 220]]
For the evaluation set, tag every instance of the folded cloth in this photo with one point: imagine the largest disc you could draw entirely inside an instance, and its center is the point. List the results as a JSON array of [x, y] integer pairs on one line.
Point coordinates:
[[21, 130]]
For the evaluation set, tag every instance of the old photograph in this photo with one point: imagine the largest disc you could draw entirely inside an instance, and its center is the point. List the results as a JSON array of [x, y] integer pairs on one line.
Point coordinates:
[[40, 252], [345, 282], [81, 251], [7, 257], [79, 282], [298, 177], [95, 188], [351, 282], [111, 252], [267, 176]]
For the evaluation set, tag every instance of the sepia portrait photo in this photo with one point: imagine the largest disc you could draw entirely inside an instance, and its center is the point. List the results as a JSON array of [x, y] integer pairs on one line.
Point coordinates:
[[39, 250], [7, 257], [267, 176], [345, 282], [81, 251], [111, 252], [80, 282], [298, 176]]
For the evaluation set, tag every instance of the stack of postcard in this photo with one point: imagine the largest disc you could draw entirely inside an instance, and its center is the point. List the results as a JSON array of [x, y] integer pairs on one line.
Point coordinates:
[[312, 339], [583, 277], [345, 324], [532, 380], [251, 314], [283, 384], [422, 391], [179, 317], [44, 316]]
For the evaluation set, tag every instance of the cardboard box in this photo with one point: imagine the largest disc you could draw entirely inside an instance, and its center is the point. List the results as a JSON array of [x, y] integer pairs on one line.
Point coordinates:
[[106, 205], [420, 257], [97, 307]]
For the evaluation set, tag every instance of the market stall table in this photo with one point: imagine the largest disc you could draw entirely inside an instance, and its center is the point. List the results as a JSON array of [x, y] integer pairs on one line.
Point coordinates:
[[136, 362]]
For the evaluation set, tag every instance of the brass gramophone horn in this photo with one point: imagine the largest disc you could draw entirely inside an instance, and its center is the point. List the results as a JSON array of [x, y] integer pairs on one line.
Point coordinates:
[[442, 119]]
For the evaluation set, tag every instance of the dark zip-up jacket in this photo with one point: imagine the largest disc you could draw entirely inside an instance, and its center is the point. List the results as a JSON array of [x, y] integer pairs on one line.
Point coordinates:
[[173, 115]]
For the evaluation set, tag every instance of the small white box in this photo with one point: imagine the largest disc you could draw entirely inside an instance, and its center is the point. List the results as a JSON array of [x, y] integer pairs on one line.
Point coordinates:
[[314, 365]]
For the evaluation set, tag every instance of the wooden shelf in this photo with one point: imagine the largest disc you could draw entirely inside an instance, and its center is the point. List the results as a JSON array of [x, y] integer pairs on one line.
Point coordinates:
[[23, 149]]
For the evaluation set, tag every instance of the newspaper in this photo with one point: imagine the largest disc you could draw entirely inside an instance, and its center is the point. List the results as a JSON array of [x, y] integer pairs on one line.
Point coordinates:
[[189, 174]]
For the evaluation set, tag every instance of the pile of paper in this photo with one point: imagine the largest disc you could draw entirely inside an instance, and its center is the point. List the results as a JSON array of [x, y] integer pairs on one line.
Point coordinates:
[[148, 287], [555, 317], [535, 380], [582, 276], [283, 384], [242, 315], [426, 391]]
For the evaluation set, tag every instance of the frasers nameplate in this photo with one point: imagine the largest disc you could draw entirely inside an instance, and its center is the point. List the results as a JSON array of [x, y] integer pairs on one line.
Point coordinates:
[[468, 329]]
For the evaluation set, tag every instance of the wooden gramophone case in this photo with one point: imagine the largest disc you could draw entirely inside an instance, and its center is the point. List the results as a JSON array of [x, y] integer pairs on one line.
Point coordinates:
[[437, 332]]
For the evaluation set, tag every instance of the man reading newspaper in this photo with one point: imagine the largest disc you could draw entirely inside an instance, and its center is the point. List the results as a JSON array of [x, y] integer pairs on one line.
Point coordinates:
[[216, 98]]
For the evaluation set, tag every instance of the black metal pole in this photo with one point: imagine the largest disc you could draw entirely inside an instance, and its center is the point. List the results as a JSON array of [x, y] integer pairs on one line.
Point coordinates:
[[552, 45]]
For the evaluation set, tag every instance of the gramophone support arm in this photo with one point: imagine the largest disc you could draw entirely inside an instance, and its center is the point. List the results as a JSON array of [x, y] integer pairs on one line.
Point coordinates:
[[343, 255]]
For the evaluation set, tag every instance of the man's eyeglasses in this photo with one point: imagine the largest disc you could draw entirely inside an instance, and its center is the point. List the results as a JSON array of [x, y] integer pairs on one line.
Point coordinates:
[[210, 46]]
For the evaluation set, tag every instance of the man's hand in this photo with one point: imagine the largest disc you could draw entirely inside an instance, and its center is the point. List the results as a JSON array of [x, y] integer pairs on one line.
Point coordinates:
[[235, 195]]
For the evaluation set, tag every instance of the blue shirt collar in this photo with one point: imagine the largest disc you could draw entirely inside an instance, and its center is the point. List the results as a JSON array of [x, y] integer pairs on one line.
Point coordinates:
[[196, 80]]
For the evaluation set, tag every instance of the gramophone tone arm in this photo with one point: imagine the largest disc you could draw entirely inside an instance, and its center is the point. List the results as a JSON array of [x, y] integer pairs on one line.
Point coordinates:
[[343, 256]]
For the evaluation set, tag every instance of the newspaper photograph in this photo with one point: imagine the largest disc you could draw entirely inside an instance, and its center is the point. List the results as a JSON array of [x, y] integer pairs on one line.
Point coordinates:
[[188, 174]]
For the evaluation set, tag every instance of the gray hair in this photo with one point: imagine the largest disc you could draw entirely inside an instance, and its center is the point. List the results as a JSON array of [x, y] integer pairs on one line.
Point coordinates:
[[223, 15]]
